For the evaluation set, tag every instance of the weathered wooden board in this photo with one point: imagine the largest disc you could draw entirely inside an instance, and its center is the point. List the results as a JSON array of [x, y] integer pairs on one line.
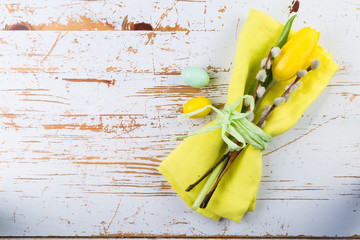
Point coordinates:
[[88, 108]]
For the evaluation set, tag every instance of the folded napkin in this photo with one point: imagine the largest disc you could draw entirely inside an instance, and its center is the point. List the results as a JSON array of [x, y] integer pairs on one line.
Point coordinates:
[[237, 191]]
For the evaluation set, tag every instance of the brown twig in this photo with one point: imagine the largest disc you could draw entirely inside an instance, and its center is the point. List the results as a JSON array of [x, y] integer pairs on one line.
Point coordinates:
[[283, 95], [208, 172], [213, 188]]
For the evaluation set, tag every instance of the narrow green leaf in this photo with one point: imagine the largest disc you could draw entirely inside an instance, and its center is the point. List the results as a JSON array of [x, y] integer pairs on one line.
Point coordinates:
[[253, 87], [211, 180], [285, 33], [268, 78]]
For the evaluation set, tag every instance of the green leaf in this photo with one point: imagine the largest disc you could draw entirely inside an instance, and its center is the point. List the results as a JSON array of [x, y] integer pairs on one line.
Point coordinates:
[[268, 78], [211, 180], [280, 43], [253, 87], [285, 33]]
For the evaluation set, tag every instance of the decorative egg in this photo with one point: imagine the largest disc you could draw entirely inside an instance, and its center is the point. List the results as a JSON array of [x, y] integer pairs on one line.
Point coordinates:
[[197, 103], [195, 77]]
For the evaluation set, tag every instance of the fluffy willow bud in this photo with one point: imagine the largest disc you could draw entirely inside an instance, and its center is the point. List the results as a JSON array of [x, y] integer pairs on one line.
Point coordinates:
[[287, 97], [315, 64], [261, 76], [301, 73], [263, 63], [250, 117], [295, 54], [275, 51], [279, 101], [260, 92]]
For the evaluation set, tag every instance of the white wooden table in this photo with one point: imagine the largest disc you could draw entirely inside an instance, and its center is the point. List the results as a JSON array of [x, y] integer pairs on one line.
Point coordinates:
[[87, 108]]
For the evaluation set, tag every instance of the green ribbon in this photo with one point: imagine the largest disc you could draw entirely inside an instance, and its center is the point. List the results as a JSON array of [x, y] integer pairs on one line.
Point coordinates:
[[235, 124]]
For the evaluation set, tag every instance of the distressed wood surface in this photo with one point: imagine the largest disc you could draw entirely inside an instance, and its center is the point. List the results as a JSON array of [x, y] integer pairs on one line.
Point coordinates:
[[89, 103]]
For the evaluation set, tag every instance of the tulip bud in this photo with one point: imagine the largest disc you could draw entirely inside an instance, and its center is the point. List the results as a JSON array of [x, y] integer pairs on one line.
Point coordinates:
[[295, 54]]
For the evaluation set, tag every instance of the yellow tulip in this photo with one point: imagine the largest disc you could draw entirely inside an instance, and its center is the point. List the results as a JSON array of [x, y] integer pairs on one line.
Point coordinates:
[[295, 54]]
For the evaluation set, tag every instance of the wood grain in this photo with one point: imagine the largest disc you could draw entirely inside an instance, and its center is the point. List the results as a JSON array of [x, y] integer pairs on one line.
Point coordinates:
[[89, 102]]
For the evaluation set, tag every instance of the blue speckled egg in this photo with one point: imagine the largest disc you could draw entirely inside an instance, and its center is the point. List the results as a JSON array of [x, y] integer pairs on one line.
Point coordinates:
[[195, 77]]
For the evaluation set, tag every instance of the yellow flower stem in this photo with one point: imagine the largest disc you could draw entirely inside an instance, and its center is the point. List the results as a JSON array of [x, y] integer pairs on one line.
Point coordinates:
[[215, 173]]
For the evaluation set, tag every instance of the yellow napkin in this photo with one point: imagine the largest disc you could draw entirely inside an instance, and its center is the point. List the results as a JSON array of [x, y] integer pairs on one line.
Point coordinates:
[[237, 191]]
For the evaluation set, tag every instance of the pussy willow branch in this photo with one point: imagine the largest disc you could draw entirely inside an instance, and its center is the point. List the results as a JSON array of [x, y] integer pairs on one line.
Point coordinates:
[[236, 154], [258, 82], [227, 154], [283, 95]]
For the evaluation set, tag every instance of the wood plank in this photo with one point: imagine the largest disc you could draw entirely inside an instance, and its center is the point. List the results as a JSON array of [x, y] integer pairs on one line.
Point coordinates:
[[80, 52], [109, 15], [105, 155], [87, 117]]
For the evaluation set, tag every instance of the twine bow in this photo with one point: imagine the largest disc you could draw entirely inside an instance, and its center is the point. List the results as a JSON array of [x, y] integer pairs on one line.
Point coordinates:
[[234, 124]]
